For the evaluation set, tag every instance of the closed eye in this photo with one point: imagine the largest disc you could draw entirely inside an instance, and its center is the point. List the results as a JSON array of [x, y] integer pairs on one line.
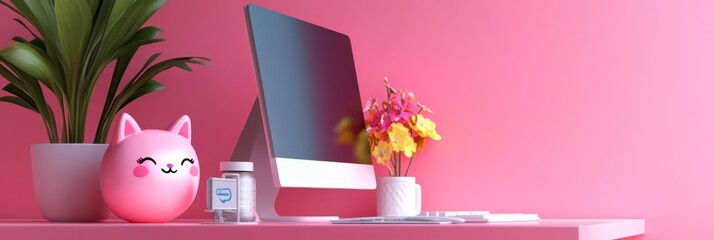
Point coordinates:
[[187, 160], [144, 159]]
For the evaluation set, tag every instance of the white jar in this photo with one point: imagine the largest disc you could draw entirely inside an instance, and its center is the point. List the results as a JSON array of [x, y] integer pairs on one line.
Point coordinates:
[[243, 171]]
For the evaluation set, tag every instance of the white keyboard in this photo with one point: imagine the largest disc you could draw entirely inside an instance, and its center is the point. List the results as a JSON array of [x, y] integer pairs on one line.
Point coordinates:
[[484, 216], [454, 213], [444, 217], [400, 220], [435, 217]]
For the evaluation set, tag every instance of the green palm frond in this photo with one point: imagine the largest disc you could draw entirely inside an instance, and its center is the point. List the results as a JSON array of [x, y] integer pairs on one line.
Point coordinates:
[[74, 42]]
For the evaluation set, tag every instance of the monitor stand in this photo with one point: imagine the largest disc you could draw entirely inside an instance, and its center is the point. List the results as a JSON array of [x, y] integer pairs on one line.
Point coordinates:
[[252, 146]]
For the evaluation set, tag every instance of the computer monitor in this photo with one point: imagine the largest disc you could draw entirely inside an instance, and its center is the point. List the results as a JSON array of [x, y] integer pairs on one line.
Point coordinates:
[[306, 130]]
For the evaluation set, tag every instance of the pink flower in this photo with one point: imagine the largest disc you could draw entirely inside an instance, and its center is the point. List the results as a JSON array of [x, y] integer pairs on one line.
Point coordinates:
[[403, 105], [390, 89], [370, 104], [377, 119]]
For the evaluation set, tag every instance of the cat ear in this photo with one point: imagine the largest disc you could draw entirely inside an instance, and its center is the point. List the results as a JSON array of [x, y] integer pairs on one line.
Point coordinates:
[[182, 127], [126, 127]]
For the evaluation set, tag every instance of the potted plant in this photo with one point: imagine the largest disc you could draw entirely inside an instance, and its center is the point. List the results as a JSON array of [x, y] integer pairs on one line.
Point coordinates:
[[72, 43], [396, 128]]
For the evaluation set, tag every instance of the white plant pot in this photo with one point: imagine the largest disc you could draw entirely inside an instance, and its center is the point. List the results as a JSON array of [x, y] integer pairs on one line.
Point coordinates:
[[398, 196], [66, 181]]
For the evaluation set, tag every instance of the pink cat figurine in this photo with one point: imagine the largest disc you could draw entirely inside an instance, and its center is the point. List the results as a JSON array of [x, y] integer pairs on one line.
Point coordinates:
[[149, 175]]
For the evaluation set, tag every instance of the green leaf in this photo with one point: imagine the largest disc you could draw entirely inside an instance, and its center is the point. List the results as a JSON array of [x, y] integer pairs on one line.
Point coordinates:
[[33, 61], [42, 16], [18, 101], [93, 63], [10, 77], [154, 70], [25, 26], [125, 56], [11, 88], [10, 7], [100, 19], [141, 80], [146, 65], [33, 88], [118, 11], [136, 14], [142, 37], [19, 39], [17, 86], [184, 67], [150, 73], [147, 32], [37, 42], [93, 5], [144, 34], [133, 46], [120, 67], [148, 87], [74, 21]]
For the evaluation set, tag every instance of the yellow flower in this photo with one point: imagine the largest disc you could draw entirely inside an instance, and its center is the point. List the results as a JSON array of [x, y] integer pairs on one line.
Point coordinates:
[[420, 142], [424, 127], [382, 152], [401, 139]]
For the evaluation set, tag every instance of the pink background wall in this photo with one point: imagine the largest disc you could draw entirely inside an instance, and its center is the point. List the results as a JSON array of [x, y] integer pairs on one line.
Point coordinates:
[[569, 109]]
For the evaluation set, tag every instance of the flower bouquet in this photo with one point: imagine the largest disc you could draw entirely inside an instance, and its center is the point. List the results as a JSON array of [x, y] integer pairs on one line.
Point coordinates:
[[396, 128]]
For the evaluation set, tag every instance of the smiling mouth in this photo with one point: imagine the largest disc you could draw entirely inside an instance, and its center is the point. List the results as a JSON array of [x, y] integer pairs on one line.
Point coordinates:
[[169, 171]]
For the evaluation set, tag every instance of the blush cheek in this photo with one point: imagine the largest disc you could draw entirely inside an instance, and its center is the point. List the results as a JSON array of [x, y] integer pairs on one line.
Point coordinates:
[[194, 171], [141, 171]]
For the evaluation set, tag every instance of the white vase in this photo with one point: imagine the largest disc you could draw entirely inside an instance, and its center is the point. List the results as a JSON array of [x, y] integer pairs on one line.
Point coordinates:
[[66, 181], [398, 196]]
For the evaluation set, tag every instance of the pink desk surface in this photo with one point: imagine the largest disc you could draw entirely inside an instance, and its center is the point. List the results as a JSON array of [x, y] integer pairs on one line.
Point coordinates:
[[551, 229]]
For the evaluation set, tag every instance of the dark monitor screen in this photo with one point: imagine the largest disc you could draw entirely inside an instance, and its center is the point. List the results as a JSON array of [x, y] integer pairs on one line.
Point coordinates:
[[309, 92]]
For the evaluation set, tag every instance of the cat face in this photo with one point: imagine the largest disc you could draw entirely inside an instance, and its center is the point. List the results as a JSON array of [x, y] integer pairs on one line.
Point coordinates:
[[150, 175]]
